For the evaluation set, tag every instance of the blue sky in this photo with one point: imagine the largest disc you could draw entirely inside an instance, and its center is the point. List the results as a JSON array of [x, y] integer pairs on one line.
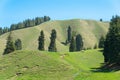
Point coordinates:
[[13, 11]]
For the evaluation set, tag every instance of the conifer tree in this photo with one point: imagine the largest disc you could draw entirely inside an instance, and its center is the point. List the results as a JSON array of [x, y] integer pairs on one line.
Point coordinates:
[[72, 47], [52, 46], [79, 43], [69, 34], [10, 47], [18, 44], [41, 41], [112, 43]]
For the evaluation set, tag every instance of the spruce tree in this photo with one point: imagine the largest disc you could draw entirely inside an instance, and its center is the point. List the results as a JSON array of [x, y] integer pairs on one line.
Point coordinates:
[[18, 44], [79, 43], [101, 42], [69, 34], [41, 41], [10, 47], [112, 43], [52, 46], [72, 47]]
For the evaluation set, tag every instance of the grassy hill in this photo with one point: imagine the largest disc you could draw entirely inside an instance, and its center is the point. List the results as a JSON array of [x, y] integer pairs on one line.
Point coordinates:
[[89, 29], [31, 64], [37, 65]]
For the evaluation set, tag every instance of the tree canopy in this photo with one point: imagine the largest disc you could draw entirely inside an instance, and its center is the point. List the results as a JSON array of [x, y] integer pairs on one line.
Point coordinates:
[[52, 46], [112, 43], [41, 41], [10, 47]]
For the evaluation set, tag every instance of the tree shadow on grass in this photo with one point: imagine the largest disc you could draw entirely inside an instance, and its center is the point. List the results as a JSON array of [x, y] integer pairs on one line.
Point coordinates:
[[106, 68]]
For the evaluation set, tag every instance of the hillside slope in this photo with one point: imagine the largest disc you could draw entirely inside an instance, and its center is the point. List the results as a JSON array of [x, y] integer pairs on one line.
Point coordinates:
[[37, 65], [89, 29]]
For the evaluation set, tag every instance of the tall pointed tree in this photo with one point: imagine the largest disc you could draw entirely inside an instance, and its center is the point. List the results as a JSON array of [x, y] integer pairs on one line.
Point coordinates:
[[41, 41], [10, 47], [79, 43], [72, 47], [69, 34], [112, 43], [52, 46]]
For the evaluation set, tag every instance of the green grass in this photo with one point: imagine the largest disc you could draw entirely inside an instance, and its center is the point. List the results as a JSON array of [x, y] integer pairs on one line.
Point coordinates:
[[89, 29], [37, 65], [30, 64], [34, 65]]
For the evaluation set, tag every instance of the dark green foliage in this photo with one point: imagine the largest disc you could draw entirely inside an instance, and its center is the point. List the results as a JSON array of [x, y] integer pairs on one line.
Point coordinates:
[[69, 34], [79, 43], [101, 42], [38, 20], [13, 27], [18, 44], [41, 41], [72, 47], [5, 30], [112, 43], [20, 25], [9, 46], [52, 46], [30, 23], [46, 18]]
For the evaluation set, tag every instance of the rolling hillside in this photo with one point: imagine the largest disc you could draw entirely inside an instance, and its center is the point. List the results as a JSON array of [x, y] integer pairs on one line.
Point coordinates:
[[37, 65], [89, 29], [31, 64]]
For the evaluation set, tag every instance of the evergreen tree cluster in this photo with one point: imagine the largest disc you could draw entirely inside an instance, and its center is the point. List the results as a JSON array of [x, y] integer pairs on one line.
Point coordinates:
[[112, 43], [52, 45], [11, 46], [25, 24], [4, 30], [76, 42]]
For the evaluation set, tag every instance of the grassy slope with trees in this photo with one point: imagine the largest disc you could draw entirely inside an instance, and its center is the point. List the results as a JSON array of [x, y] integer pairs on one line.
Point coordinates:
[[35, 65], [89, 29]]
